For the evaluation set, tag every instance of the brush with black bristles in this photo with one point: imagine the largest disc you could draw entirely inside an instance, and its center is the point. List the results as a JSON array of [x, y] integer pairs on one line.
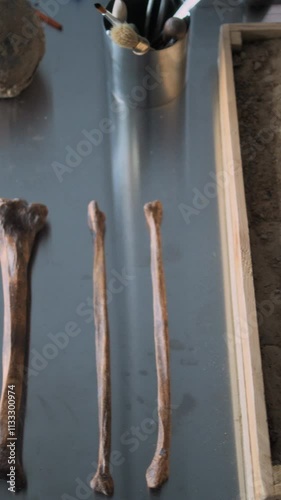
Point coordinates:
[[110, 17], [125, 36]]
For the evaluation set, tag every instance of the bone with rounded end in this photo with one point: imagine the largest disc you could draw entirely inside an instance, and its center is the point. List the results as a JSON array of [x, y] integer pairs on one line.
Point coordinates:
[[158, 471], [102, 482], [19, 225]]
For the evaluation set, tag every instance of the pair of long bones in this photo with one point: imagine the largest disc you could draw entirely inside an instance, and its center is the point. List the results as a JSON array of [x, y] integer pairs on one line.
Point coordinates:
[[19, 225], [158, 471]]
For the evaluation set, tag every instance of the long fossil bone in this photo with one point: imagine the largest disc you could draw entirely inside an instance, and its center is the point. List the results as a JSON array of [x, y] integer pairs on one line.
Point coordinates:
[[158, 471], [19, 224], [102, 482]]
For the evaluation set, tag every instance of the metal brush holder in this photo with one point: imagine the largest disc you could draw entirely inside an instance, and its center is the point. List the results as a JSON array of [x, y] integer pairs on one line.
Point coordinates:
[[149, 80]]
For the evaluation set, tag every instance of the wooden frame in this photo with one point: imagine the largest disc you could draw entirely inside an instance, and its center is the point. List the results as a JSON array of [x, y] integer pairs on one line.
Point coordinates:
[[260, 479]]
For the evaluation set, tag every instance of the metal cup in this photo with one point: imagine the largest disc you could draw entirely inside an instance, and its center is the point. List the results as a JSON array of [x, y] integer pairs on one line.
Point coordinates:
[[150, 80]]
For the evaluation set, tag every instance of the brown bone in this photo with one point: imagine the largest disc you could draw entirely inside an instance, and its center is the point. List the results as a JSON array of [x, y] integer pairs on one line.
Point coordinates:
[[102, 482], [158, 471], [19, 224]]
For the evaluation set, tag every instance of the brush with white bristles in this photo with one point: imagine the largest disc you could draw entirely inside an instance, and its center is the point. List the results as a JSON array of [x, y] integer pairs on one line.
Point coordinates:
[[125, 36]]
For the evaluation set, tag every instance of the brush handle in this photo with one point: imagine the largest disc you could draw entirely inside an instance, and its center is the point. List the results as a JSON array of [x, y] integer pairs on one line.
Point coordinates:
[[120, 10], [112, 19], [142, 47], [174, 29], [185, 8], [166, 10], [152, 11]]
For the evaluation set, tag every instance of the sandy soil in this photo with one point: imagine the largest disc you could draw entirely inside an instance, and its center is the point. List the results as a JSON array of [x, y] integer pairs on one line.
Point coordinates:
[[258, 87]]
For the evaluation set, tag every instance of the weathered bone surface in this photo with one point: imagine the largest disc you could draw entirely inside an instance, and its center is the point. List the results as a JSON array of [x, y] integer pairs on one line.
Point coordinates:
[[102, 482], [158, 471], [19, 224], [22, 46]]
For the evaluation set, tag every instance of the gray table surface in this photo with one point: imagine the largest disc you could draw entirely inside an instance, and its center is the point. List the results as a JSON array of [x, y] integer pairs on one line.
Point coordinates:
[[166, 153]]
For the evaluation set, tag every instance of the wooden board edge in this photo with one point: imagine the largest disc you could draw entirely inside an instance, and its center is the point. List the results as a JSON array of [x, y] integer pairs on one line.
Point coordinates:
[[245, 444], [257, 31], [256, 448], [236, 40], [229, 334]]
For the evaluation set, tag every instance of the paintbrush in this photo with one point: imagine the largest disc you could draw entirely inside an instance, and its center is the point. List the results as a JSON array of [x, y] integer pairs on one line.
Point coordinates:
[[174, 29], [112, 19], [125, 36], [49, 20], [185, 9], [152, 12]]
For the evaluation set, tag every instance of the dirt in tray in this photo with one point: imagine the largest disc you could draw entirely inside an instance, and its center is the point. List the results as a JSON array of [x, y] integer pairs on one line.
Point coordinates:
[[258, 87]]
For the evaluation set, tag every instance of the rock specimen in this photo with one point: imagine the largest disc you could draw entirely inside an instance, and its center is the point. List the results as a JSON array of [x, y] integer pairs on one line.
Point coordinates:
[[22, 46]]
